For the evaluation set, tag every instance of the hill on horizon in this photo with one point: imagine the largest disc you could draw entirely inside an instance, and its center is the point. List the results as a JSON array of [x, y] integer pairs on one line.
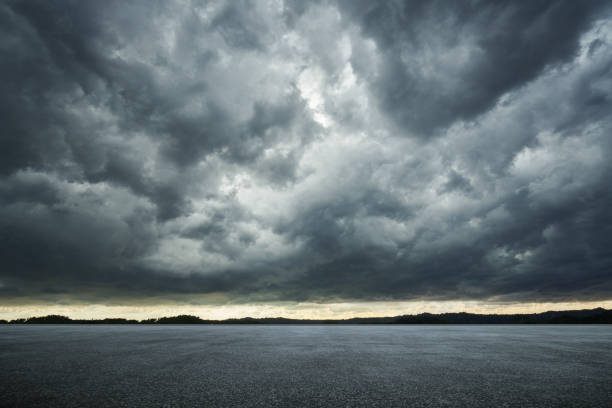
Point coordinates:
[[585, 316]]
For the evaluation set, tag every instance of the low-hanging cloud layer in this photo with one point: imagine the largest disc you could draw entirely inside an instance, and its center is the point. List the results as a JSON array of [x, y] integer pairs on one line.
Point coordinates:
[[260, 151]]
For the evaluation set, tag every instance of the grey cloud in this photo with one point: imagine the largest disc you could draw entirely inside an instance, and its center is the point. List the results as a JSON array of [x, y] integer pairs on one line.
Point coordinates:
[[237, 26], [32, 189], [64, 61], [457, 182], [177, 150], [441, 62]]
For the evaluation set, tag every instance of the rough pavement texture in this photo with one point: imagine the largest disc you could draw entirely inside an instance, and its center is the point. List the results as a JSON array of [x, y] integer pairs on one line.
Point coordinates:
[[309, 366]]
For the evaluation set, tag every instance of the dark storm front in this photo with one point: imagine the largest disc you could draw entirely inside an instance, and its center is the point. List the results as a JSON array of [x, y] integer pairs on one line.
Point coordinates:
[[143, 366]]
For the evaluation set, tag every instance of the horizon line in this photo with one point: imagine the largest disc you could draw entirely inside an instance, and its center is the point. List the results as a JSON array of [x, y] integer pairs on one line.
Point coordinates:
[[195, 318]]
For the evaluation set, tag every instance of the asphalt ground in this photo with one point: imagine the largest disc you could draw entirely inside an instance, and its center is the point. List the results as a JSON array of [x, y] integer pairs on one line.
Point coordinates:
[[305, 366]]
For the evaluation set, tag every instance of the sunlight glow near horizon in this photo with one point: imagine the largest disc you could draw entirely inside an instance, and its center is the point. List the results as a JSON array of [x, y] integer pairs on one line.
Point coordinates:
[[289, 310]]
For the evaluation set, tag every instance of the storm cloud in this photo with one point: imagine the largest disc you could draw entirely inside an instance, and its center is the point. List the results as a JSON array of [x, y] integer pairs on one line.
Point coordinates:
[[306, 151]]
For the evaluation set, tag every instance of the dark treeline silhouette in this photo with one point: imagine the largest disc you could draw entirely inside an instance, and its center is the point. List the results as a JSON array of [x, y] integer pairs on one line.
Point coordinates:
[[591, 316], [57, 319]]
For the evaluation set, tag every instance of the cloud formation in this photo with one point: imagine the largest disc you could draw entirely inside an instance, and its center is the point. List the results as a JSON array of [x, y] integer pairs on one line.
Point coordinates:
[[317, 152]]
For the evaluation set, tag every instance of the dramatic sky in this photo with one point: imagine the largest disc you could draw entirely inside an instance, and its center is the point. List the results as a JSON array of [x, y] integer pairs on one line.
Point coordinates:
[[330, 157]]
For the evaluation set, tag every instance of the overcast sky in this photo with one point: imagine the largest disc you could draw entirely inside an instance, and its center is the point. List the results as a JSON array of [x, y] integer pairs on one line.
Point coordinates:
[[256, 152]]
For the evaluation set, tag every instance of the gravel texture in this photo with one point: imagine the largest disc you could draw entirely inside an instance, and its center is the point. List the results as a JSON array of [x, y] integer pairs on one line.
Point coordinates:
[[305, 366]]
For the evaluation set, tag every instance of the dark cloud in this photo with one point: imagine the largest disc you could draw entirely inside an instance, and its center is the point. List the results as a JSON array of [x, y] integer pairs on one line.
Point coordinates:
[[456, 182], [235, 23], [286, 153], [441, 62]]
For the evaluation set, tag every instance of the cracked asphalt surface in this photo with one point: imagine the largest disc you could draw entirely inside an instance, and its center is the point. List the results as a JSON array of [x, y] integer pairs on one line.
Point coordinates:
[[305, 366]]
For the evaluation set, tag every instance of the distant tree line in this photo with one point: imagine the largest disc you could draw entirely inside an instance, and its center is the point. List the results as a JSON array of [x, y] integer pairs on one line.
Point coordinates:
[[591, 316]]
